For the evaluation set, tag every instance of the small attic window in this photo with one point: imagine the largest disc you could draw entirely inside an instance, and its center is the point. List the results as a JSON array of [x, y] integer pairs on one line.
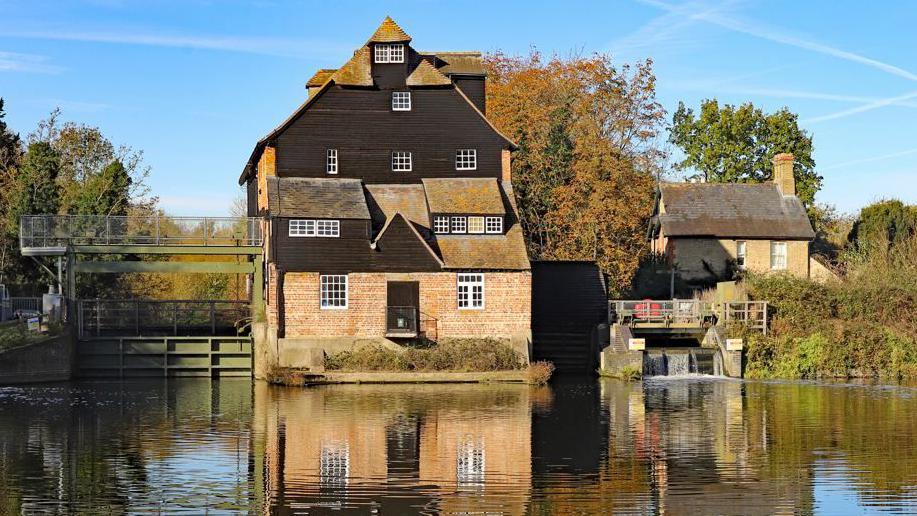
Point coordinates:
[[389, 53]]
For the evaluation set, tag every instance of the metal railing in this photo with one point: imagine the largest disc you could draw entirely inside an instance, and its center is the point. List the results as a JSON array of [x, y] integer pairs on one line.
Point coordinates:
[[37, 231], [401, 320], [100, 317], [688, 312]]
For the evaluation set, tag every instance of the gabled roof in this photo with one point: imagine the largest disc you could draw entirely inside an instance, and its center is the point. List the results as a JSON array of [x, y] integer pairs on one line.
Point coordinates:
[[357, 71], [397, 219], [456, 63], [409, 200], [427, 75], [316, 197], [730, 210], [389, 32], [320, 77], [470, 195]]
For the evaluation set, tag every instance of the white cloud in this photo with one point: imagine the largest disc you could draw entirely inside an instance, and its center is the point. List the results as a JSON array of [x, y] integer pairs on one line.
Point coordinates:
[[876, 104], [869, 160], [29, 63]]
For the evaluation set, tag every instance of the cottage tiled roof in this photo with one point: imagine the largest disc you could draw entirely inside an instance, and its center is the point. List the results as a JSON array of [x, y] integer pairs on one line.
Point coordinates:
[[317, 197], [457, 63], [425, 74], [730, 210], [320, 77], [389, 32], [469, 195], [409, 200], [357, 71]]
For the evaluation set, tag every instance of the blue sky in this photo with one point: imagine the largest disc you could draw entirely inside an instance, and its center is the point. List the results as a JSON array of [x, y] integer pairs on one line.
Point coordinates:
[[195, 83]]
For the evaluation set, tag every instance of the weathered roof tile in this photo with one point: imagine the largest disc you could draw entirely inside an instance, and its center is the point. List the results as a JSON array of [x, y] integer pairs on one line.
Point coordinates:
[[425, 74], [473, 196], [320, 77], [389, 32], [317, 197]]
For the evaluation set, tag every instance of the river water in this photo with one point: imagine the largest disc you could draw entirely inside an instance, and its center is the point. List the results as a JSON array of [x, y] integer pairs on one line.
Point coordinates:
[[664, 446]]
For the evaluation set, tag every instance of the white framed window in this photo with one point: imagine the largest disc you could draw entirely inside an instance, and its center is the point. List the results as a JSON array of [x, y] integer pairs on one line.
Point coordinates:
[[740, 254], [401, 161], [466, 159], [475, 224], [494, 225], [459, 224], [333, 291], [334, 464], [331, 161], [315, 228], [440, 224], [471, 291], [401, 101], [389, 53], [778, 256]]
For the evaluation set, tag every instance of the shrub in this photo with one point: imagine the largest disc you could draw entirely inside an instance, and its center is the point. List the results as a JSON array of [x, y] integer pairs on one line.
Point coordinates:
[[464, 355], [540, 372]]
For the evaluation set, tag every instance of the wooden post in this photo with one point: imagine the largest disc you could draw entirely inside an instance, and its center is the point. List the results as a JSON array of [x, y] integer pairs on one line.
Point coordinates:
[[257, 301]]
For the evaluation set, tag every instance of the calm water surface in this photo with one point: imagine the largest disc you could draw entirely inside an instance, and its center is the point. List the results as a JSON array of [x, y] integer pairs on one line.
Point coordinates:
[[672, 446]]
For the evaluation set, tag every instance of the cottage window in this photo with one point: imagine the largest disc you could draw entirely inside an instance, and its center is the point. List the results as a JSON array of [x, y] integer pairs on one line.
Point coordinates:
[[778, 256], [441, 224], [740, 254], [401, 101], [471, 291], [401, 161], [459, 224], [333, 291], [494, 225], [475, 224], [315, 228], [466, 159], [331, 163], [389, 53]]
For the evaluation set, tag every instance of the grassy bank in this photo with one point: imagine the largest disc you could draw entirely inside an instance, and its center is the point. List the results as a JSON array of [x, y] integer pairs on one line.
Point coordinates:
[[864, 325], [15, 333]]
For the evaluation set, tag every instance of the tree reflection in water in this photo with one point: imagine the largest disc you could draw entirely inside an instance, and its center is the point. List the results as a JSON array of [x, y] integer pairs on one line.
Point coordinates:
[[662, 446]]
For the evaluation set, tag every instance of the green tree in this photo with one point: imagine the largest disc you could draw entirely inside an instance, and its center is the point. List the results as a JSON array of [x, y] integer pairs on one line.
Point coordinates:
[[10, 146], [886, 222], [731, 144]]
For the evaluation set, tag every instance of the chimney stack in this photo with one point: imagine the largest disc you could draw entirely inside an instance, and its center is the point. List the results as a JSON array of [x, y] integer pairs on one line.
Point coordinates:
[[783, 173]]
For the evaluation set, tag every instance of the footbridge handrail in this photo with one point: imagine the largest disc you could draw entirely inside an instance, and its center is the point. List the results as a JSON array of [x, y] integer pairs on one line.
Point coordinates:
[[99, 317], [687, 312], [57, 231]]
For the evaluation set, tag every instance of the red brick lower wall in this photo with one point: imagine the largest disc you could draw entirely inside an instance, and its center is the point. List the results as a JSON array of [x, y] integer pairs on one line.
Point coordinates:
[[507, 312]]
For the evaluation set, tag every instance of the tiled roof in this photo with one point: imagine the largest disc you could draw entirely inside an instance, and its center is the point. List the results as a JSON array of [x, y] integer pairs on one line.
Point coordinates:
[[457, 63], [506, 252], [320, 77], [425, 74], [389, 32], [479, 195], [732, 210], [409, 200], [317, 197], [357, 71]]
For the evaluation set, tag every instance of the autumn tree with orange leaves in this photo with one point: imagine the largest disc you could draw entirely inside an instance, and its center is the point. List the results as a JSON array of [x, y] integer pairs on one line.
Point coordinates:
[[584, 174]]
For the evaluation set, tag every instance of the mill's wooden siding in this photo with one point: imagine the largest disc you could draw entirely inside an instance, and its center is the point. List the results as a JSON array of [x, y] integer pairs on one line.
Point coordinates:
[[361, 125], [474, 89], [251, 198], [398, 250]]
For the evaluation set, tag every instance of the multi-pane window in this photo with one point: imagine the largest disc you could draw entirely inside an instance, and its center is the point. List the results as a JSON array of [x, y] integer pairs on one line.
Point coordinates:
[[401, 161], [740, 254], [459, 224], [334, 464], [466, 159], [778, 256], [440, 224], [471, 291], [333, 291], [389, 53], [331, 161], [315, 228], [494, 224], [475, 224], [401, 101]]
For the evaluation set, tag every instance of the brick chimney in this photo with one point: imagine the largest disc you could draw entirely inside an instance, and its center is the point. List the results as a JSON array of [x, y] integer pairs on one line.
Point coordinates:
[[783, 173]]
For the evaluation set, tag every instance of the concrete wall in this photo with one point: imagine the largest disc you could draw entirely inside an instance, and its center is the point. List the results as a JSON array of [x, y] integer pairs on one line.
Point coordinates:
[[49, 360], [692, 253]]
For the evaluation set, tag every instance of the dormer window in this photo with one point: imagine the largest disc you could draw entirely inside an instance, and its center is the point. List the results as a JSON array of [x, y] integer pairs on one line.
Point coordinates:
[[466, 159], [401, 161], [440, 224], [389, 53], [494, 225], [401, 101], [475, 224]]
